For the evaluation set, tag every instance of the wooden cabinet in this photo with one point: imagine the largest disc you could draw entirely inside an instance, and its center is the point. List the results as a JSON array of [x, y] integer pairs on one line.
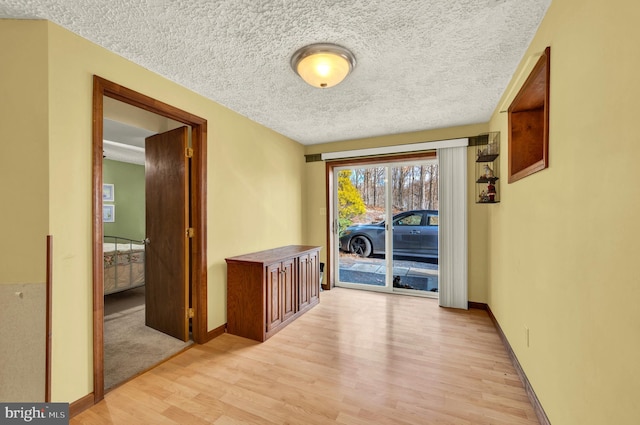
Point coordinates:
[[267, 290]]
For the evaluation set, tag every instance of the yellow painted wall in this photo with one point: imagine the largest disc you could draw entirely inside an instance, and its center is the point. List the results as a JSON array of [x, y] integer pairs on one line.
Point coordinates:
[[24, 203], [254, 180], [315, 184], [24, 180], [563, 243]]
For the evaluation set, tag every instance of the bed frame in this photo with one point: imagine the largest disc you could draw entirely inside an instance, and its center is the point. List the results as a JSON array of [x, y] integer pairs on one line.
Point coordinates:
[[123, 264]]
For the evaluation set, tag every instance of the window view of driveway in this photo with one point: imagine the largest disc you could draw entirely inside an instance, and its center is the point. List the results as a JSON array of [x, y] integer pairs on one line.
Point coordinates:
[[412, 232]]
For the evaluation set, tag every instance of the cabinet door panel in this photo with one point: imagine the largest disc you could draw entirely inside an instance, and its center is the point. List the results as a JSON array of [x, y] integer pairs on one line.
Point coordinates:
[[289, 292], [314, 277], [274, 296], [304, 281]]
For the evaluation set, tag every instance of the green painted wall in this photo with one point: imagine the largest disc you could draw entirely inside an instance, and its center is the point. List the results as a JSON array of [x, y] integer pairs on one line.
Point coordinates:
[[128, 181]]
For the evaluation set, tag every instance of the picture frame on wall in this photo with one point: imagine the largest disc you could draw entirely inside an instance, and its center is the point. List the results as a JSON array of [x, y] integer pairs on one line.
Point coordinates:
[[108, 193], [109, 213]]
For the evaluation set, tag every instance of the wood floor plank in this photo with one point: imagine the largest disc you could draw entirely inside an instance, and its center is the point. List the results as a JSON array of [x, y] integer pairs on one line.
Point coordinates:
[[356, 358]]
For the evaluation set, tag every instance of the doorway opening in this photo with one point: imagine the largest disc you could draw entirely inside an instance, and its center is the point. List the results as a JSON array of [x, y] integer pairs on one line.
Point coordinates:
[[387, 206], [182, 303], [132, 342]]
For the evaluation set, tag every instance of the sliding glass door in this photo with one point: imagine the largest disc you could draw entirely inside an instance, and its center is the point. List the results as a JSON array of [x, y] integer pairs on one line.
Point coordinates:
[[387, 208], [361, 212]]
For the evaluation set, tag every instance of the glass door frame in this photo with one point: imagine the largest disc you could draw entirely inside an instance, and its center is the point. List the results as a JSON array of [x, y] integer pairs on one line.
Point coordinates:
[[388, 242], [332, 167]]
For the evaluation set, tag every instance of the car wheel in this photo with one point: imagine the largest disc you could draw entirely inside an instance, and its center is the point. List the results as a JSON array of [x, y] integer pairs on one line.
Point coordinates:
[[360, 246]]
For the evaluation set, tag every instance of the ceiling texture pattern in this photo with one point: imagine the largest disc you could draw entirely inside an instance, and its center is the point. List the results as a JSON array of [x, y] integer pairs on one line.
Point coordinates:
[[421, 64]]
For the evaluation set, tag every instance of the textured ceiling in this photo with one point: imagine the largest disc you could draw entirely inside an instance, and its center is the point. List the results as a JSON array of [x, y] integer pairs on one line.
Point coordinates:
[[421, 64]]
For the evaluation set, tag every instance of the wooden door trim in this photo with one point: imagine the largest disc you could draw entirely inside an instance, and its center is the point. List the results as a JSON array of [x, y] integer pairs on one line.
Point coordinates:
[[49, 320], [101, 88]]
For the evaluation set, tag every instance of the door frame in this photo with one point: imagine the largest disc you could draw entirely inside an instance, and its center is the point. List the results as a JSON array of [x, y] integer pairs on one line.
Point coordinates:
[[390, 228], [198, 178], [330, 202]]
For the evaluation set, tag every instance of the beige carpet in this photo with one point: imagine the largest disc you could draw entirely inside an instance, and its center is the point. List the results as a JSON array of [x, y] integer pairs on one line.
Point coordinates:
[[130, 347]]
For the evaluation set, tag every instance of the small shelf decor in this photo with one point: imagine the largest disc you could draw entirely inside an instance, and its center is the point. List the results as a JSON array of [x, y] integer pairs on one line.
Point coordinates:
[[487, 167]]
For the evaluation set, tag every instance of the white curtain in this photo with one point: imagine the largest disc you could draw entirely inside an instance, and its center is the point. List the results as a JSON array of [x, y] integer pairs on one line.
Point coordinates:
[[452, 237]]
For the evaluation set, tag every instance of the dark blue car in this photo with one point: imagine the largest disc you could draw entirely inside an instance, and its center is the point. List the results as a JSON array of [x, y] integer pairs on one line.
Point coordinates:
[[415, 233]]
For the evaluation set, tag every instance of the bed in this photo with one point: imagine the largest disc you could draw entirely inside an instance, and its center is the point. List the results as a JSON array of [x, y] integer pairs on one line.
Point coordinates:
[[123, 264]]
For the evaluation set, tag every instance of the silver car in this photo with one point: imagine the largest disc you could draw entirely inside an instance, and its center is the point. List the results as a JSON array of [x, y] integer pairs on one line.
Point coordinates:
[[415, 233]]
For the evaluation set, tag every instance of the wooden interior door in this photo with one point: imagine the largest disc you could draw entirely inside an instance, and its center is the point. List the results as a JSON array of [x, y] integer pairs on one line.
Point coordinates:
[[167, 220]]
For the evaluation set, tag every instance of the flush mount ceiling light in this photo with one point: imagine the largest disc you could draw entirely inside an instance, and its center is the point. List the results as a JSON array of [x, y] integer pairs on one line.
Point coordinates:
[[323, 65]]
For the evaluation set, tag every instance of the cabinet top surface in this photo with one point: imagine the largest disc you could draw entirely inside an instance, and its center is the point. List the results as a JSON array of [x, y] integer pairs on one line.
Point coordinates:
[[275, 254]]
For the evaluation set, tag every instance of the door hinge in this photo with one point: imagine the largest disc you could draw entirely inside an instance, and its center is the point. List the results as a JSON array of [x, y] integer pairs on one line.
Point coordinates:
[[188, 152], [190, 313], [190, 232]]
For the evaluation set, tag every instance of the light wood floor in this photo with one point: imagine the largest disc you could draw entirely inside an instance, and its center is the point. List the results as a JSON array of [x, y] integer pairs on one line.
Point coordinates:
[[356, 358]]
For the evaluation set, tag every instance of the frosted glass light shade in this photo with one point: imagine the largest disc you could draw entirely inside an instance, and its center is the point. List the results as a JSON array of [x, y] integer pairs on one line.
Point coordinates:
[[323, 65]]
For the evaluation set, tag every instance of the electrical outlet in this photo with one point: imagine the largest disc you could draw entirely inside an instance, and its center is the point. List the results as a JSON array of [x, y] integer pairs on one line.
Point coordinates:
[[323, 211], [526, 336]]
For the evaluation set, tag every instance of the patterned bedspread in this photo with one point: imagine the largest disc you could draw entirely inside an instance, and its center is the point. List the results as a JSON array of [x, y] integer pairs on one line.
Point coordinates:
[[124, 268]]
